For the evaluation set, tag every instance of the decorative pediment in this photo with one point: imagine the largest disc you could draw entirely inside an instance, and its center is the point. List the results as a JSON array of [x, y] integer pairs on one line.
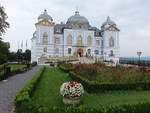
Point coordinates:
[[45, 23], [112, 28]]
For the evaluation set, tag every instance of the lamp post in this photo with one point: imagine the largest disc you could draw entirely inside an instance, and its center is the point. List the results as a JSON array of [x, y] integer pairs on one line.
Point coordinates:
[[105, 56], [139, 55]]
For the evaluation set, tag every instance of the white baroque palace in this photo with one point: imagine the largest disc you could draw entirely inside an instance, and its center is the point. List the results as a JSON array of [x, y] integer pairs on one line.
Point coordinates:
[[76, 37]]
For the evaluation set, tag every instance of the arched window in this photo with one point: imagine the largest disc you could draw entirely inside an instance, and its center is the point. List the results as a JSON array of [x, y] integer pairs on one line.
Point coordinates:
[[56, 50], [89, 51], [45, 38], [111, 42], [89, 41], [69, 50], [69, 40], [79, 40]]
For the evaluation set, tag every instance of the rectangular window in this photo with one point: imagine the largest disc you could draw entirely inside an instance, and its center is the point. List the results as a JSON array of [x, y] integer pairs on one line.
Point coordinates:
[[69, 50], [101, 52], [57, 41], [97, 42], [102, 43], [45, 49]]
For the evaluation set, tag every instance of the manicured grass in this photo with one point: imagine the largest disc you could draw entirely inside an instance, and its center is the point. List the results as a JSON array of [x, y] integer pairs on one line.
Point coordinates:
[[16, 66], [47, 93]]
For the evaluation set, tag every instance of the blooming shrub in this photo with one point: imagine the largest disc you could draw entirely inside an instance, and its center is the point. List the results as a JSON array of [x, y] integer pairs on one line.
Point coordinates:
[[119, 74], [71, 89]]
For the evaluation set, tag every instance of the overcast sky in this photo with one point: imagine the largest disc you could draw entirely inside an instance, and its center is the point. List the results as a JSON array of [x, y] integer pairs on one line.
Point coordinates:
[[131, 16]]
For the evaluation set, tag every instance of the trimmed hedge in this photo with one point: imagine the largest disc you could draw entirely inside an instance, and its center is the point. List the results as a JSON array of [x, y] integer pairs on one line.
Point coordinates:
[[12, 72], [34, 64], [65, 69], [26, 92], [93, 86], [137, 108], [3, 65], [24, 104]]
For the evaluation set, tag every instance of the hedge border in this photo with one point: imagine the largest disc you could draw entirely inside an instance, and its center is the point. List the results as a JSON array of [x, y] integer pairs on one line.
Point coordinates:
[[92, 86], [13, 72], [3, 65], [26, 92], [136, 108]]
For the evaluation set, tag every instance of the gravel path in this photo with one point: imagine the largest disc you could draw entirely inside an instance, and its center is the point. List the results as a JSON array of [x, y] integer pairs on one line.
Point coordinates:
[[9, 88]]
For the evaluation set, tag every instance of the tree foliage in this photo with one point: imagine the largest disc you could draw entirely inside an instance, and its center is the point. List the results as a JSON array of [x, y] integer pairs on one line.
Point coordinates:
[[3, 23], [4, 50]]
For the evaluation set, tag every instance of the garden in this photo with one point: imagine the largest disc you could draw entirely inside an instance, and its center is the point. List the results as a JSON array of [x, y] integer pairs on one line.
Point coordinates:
[[128, 93], [10, 69]]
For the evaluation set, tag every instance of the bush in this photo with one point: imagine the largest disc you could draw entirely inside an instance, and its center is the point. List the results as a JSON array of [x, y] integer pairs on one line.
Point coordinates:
[[136, 108], [3, 65], [26, 92], [34, 64], [66, 67], [93, 86], [7, 72], [52, 64]]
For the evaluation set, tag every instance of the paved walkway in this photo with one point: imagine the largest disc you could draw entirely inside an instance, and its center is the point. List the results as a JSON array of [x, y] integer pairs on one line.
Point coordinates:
[[9, 88]]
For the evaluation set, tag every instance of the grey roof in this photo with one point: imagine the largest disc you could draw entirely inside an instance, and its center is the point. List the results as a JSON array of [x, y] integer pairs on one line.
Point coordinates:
[[58, 28], [109, 22], [77, 19], [45, 16], [97, 31]]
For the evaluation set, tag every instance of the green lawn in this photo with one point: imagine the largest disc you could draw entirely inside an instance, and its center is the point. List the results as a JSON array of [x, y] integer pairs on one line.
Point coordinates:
[[16, 66], [13, 68], [47, 93]]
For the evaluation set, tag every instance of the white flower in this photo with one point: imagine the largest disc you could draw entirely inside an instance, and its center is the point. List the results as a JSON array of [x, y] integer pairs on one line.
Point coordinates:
[[71, 89]]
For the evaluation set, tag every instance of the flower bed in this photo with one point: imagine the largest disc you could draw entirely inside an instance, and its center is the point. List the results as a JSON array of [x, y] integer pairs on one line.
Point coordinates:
[[99, 78], [107, 74], [46, 98], [93, 86]]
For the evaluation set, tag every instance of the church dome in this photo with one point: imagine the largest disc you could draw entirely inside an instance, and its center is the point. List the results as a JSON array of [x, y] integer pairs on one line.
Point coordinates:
[[78, 20], [109, 22], [45, 16]]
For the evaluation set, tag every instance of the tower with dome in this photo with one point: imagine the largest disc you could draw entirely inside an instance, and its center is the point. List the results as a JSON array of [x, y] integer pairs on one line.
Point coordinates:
[[76, 37]]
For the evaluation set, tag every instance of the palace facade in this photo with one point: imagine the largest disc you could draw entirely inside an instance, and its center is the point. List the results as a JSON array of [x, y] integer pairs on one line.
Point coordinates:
[[76, 37]]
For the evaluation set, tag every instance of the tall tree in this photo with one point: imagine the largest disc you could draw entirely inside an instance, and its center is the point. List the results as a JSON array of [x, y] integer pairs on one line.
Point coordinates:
[[27, 56], [4, 50], [3, 23]]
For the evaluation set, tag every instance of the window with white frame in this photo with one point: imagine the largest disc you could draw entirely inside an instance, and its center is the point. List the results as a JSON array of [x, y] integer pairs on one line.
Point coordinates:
[[69, 50], [45, 38]]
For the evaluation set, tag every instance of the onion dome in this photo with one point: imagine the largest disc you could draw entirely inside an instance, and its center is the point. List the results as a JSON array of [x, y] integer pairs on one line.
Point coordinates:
[[45, 16], [78, 21]]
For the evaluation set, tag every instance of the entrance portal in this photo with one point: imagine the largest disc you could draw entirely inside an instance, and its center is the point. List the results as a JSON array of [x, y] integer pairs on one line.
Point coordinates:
[[80, 52]]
